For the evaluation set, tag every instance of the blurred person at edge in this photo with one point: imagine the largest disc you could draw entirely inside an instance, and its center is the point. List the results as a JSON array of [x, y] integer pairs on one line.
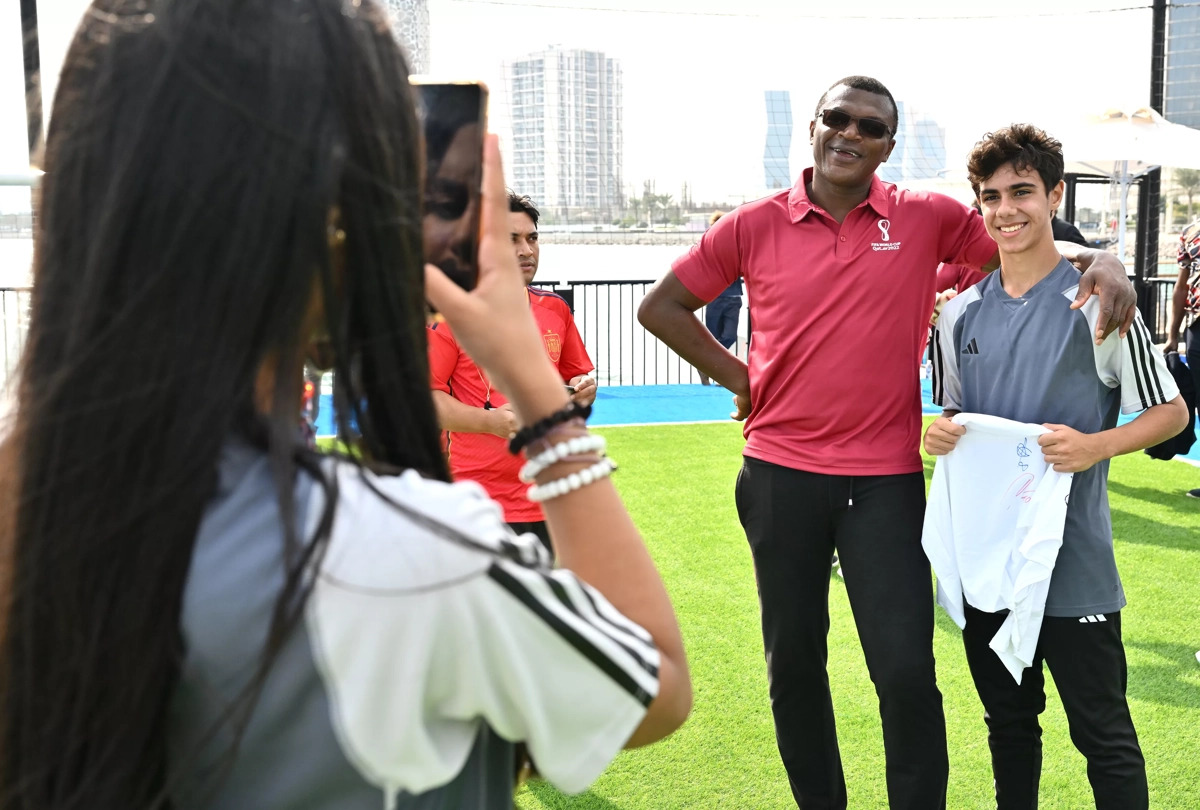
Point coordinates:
[[840, 274], [476, 415], [201, 612], [1185, 310]]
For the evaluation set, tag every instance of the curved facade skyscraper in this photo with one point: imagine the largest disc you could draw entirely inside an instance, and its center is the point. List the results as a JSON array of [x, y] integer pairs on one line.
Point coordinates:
[[920, 151], [779, 140], [410, 23]]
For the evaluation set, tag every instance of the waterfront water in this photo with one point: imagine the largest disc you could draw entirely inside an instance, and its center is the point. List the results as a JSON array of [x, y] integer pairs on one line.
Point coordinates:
[[559, 262], [16, 255], [624, 354]]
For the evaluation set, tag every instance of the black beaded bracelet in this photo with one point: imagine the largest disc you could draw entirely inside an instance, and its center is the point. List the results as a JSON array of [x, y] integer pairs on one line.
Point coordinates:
[[540, 428]]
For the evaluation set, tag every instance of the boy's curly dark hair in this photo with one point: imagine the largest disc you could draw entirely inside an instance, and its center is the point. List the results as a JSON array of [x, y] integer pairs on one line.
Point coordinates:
[[1025, 146]]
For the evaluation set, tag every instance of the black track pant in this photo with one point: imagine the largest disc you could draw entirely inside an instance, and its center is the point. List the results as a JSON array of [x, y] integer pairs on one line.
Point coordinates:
[[1087, 661], [794, 520], [537, 527]]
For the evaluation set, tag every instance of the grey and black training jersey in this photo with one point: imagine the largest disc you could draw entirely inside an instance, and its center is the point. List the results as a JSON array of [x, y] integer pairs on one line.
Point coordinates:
[[433, 636], [1034, 359]]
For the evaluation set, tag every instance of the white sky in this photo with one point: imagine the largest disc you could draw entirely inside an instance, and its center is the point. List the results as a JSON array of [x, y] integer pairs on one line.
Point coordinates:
[[695, 72]]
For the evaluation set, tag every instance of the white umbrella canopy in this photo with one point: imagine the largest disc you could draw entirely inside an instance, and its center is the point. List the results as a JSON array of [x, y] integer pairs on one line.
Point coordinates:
[[1126, 145], [1141, 140]]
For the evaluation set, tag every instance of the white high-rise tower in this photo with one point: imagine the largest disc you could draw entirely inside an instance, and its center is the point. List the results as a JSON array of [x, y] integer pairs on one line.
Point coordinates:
[[567, 142]]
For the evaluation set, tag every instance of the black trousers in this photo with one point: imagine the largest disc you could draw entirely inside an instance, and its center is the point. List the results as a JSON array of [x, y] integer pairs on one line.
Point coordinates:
[[1087, 661], [537, 527], [794, 520], [1192, 340]]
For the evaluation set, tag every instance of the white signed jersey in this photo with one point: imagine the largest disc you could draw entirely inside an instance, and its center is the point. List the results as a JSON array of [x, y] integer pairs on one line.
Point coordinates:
[[993, 529]]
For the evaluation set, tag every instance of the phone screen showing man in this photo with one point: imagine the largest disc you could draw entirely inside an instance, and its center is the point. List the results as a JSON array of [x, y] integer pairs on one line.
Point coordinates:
[[454, 121]]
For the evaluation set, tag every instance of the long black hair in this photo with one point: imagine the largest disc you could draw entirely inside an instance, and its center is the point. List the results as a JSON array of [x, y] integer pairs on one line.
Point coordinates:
[[198, 155]]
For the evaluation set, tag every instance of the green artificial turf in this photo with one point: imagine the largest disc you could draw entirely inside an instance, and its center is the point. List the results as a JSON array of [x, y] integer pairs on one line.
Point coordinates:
[[677, 482]]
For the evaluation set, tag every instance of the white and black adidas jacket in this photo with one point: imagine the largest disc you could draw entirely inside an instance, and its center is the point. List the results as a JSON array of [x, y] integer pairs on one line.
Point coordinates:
[[433, 637]]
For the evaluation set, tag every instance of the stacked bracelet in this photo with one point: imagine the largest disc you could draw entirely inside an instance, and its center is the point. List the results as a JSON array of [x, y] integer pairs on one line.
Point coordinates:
[[569, 429], [569, 483], [556, 453], [540, 428]]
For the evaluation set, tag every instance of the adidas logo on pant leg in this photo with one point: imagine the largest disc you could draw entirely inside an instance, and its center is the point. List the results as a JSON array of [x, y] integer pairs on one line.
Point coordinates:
[[1099, 617]]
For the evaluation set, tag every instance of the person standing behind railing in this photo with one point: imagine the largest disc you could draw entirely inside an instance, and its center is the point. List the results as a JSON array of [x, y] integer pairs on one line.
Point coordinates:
[[1185, 308], [722, 313]]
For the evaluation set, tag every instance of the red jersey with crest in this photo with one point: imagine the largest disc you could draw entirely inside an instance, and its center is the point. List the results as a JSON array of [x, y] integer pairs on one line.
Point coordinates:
[[482, 457]]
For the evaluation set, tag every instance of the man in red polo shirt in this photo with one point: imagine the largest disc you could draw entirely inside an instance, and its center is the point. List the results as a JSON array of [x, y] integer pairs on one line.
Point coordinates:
[[840, 272], [477, 418]]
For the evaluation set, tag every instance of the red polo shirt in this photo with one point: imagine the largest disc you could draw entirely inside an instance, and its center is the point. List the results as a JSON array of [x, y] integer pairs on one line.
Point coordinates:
[[956, 277], [959, 277], [838, 313], [482, 457]]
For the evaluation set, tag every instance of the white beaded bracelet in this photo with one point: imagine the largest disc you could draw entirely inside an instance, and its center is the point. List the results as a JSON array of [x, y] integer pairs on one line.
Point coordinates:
[[552, 455], [569, 483]]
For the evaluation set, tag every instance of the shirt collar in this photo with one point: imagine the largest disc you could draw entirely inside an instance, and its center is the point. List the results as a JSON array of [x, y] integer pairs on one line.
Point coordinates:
[[799, 203]]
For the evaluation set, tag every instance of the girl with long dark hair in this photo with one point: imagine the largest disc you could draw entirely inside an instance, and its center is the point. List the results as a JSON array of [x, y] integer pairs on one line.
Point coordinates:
[[197, 610]]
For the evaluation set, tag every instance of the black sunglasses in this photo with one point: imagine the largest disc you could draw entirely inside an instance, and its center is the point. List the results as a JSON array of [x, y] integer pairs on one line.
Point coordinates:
[[869, 127]]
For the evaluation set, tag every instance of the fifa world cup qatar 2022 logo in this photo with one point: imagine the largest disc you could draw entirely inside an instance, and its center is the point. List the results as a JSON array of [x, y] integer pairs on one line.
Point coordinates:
[[885, 235]]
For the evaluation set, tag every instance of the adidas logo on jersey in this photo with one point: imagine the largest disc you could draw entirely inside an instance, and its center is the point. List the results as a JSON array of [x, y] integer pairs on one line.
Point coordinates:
[[971, 348]]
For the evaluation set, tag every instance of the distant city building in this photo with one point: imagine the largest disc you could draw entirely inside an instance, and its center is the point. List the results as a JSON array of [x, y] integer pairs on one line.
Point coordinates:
[[1183, 65], [779, 140], [567, 141], [410, 24], [920, 151]]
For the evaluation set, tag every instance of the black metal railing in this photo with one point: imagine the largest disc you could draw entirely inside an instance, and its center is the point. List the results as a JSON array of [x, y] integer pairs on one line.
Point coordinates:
[[16, 226], [1161, 291], [605, 313], [624, 352], [14, 321]]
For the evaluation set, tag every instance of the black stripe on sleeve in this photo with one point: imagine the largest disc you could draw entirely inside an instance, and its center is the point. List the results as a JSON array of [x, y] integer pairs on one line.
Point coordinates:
[[569, 634], [936, 361], [602, 624], [1152, 376], [1138, 371], [1137, 356]]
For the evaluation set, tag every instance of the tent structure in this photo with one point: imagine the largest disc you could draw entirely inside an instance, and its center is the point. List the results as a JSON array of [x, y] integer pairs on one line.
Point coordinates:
[[1126, 145]]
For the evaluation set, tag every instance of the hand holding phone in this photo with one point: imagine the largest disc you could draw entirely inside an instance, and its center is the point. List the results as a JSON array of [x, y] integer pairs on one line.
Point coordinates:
[[454, 121]]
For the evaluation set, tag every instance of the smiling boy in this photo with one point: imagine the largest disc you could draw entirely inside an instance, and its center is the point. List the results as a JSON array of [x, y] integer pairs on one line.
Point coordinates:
[[1012, 347]]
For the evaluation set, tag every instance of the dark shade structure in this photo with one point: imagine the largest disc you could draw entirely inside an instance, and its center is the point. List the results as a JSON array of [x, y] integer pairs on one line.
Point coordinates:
[[33, 61]]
